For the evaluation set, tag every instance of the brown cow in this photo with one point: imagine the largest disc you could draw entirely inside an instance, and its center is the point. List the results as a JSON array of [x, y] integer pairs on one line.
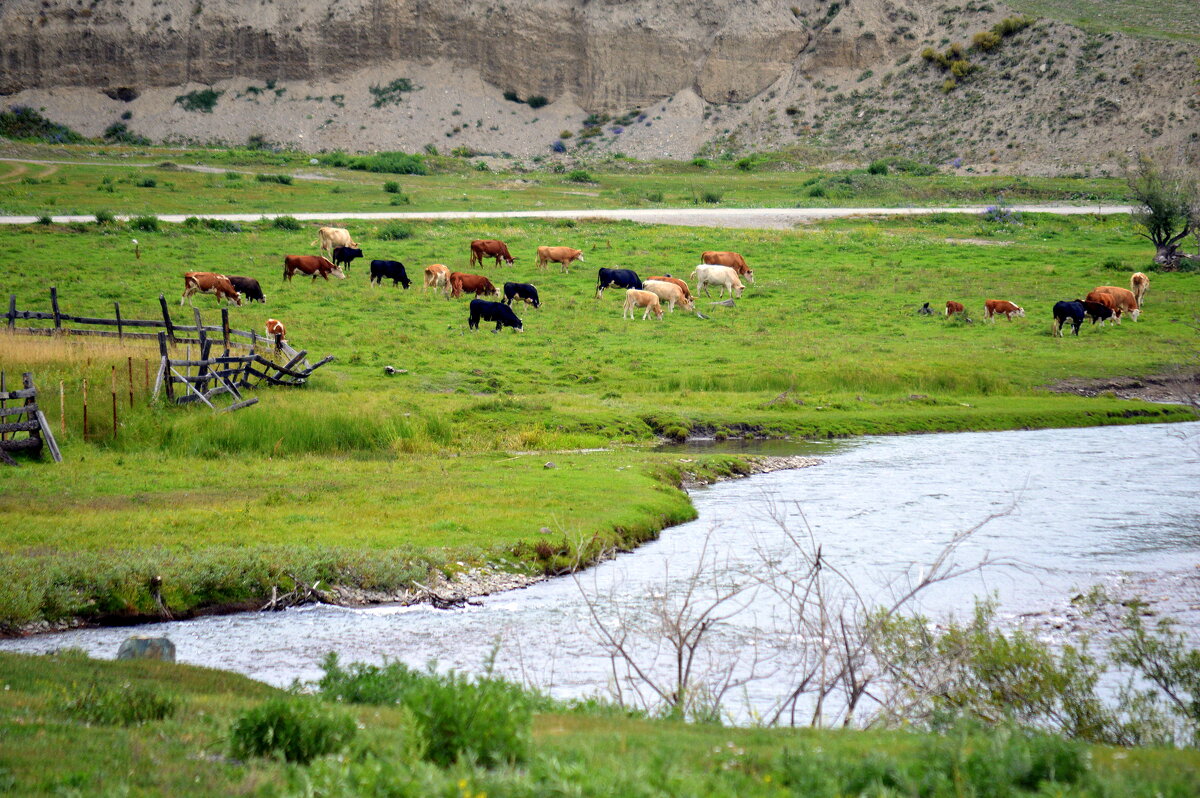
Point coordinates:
[[275, 327], [560, 255], [330, 237], [641, 299], [476, 284], [438, 276], [208, 283], [994, 307], [1124, 299], [730, 259], [669, 293], [489, 248], [687, 292], [953, 307], [310, 264], [1139, 283]]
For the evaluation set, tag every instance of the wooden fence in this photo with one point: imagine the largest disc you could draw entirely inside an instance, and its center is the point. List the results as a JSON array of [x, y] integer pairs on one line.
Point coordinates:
[[34, 425]]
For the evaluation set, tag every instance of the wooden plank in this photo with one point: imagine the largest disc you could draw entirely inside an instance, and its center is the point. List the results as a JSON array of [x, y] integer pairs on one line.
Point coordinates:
[[318, 364], [191, 388], [18, 426], [162, 301], [17, 410], [117, 309], [158, 380], [23, 393], [225, 326], [48, 436], [5, 459], [22, 445], [54, 306], [3, 398], [239, 405], [199, 326]]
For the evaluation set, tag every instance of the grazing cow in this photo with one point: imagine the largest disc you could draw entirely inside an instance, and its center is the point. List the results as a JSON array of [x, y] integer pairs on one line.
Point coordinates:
[[560, 255], [391, 269], [276, 330], [1064, 311], [438, 276], [476, 284], [498, 312], [330, 237], [666, 278], [995, 307], [723, 276], [1125, 300], [343, 255], [1139, 283], [925, 310], [310, 264], [523, 291], [641, 299], [730, 259], [249, 288], [669, 293], [1098, 311], [208, 283], [953, 307], [489, 248], [621, 278]]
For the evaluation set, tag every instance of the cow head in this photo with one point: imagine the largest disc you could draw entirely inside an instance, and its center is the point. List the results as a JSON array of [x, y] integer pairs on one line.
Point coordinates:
[[337, 272], [1019, 312]]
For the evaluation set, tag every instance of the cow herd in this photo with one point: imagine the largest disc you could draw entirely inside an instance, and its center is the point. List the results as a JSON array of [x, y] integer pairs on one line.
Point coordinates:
[[1106, 303]]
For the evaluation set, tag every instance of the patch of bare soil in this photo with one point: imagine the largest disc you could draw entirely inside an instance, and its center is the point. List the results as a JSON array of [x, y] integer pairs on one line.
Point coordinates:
[[1181, 388]]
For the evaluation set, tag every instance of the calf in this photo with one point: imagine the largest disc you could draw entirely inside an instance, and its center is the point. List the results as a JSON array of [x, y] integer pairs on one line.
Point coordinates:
[[1125, 301], [560, 255], [996, 307], [1073, 311], [666, 278], [343, 255], [953, 307], [310, 264], [391, 269], [489, 248], [1098, 311], [438, 276], [1139, 283], [498, 312], [208, 283], [249, 288], [523, 291], [635, 298], [731, 259], [669, 293], [476, 284], [723, 276], [621, 278]]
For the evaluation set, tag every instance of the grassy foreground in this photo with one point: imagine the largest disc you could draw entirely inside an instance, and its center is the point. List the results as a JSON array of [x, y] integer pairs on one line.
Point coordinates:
[[53, 745], [372, 480]]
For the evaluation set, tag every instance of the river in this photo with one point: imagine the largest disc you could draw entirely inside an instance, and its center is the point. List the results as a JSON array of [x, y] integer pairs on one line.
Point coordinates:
[[1075, 507]]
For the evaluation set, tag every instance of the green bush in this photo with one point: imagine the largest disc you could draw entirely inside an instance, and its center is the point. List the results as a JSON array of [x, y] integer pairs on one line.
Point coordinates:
[[537, 101], [745, 164], [396, 163], [512, 96], [1010, 25], [116, 705], [21, 122], [233, 175], [395, 231], [702, 163], [119, 133], [146, 182], [391, 187], [203, 100], [298, 729], [284, 180], [286, 223], [580, 176], [45, 218], [400, 199], [104, 217], [878, 168], [391, 93], [986, 40], [486, 719], [147, 223]]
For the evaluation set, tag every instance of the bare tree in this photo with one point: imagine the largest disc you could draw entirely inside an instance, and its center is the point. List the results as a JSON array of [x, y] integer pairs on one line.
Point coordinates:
[[1167, 208]]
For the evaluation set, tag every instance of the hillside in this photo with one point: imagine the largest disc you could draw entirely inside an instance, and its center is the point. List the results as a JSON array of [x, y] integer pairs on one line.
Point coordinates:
[[645, 78]]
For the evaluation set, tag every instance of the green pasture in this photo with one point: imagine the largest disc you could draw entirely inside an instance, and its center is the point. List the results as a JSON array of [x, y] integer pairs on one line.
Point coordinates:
[[49, 748], [1166, 18], [369, 479], [84, 180]]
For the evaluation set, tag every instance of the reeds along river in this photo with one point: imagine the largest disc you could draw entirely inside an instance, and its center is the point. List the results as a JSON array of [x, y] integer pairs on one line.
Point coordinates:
[[1079, 507]]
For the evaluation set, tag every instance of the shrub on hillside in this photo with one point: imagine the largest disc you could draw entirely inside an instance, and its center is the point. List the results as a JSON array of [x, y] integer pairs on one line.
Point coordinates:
[[203, 100], [537, 101], [21, 122], [286, 223], [147, 223], [985, 40], [391, 187], [298, 729], [580, 176]]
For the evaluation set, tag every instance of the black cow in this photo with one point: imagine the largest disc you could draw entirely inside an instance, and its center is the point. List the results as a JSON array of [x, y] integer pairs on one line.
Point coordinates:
[[343, 255], [498, 312], [621, 278], [392, 269], [521, 291], [925, 310], [249, 288], [1064, 311], [1097, 311]]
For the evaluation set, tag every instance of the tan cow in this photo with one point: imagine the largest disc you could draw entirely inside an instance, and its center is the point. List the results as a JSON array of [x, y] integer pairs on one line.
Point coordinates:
[[669, 293], [560, 255], [208, 283], [687, 292], [723, 276], [1139, 283], [330, 237], [437, 275], [1001, 307], [1125, 300], [276, 330], [641, 299], [730, 259]]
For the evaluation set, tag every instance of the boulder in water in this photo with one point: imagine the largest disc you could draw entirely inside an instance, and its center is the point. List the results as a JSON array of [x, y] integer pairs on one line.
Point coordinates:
[[146, 647]]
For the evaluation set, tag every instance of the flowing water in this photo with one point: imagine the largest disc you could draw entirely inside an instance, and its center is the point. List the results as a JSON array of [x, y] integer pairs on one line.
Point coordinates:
[[1075, 507]]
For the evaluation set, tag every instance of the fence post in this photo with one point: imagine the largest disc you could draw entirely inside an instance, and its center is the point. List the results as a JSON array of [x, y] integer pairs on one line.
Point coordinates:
[[203, 336], [129, 363], [162, 301], [2, 402], [54, 307], [225, 328], [12, 311], [85, 409], [62, 408], [162, 344], [113, 388], [120, 333]]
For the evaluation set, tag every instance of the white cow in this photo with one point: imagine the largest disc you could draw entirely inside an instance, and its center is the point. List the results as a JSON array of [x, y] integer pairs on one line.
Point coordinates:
[[669, 293], [723, 276], [641, 299], [330, 237]]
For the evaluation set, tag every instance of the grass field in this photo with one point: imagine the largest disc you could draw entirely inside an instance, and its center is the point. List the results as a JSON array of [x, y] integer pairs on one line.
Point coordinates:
[[51, 748], [1171, 18], [445, 460]]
